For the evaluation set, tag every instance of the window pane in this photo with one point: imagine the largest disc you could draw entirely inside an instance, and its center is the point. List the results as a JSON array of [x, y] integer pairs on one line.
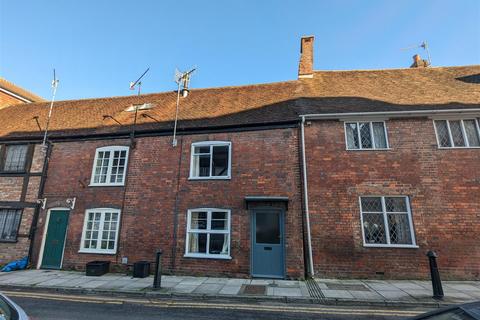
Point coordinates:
[[118, 166], [374, 228], [442, 133], [202, 149], [197, 243], [472, 133], [220, 161], [198, 220], [399, 229], [101, 167], [9, 222], [396, 204], [201, 166], [15, 158], [219, 221], [352, 136], [365, 136], [379, 134], [457, 135], [218, 244], [267, 227], [371, 204]]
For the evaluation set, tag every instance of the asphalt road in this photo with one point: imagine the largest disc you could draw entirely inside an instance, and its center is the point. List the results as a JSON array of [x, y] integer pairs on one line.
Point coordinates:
[[57, 306]]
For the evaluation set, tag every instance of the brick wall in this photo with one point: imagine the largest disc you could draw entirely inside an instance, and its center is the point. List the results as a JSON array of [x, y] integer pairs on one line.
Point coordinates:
[[443, 185], [264, 163]]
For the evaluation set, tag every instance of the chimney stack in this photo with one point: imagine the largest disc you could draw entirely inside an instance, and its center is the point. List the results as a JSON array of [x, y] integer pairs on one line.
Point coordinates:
[[418, 62], [305, 67]]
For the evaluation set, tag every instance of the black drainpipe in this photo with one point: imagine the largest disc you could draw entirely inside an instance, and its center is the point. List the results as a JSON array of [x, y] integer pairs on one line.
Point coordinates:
[[33, 226]]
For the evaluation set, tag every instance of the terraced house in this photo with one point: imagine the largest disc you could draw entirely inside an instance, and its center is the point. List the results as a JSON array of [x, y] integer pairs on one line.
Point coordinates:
[[337, 173]]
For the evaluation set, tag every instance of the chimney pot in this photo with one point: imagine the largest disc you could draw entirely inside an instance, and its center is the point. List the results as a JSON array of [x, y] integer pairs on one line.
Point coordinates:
[[305, 67], [418, 62]]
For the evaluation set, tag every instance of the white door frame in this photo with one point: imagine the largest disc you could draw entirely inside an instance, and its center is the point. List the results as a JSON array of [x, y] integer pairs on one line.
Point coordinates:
[[45, 228]]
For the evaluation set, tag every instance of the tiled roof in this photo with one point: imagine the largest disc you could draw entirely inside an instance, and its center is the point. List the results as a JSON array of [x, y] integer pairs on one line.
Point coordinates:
[[11, 87], [326, 92]]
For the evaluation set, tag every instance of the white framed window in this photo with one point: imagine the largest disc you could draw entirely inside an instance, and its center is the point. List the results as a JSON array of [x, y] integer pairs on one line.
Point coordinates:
[[109, 166], [208, 233], [100, 231], [370, 135], [211, 160], [463, 133], [386, 222]]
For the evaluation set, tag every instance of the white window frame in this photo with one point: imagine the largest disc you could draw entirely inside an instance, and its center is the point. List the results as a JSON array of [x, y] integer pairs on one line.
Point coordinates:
[[360, 148], [100, 230], [465, 138], [112, 149], [385, 221], [207, 231], [211, 144]]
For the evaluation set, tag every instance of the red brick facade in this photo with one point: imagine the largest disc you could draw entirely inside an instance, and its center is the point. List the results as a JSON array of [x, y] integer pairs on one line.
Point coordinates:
[[444, 190], [264, 163]]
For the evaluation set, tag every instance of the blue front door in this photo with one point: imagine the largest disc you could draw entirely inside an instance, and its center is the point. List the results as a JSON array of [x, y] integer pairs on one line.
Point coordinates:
[[267, 243]]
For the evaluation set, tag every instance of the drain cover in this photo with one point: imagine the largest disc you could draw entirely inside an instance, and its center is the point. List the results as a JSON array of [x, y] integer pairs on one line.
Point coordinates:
[[254, 289], [352, 287]]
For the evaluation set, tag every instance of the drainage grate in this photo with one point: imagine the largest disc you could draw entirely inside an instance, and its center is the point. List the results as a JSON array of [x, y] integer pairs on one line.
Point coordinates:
[[352, 287], [254, 289], [314, 290]]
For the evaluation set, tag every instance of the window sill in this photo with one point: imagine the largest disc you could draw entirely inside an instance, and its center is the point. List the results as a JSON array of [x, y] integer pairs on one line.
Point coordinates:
[[378, 149], [209, 178], [8, 241], [106, 185], [391, 246], [97, 252], [450, 148], [211, 256]]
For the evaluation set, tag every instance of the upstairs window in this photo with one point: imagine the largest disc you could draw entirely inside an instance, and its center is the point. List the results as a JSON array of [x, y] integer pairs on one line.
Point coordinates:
[[458, 133], [100, 231], [366, 135], [210, 160], [14, 158], [386, 221], [9, 223], [109, 166], [208, 233]]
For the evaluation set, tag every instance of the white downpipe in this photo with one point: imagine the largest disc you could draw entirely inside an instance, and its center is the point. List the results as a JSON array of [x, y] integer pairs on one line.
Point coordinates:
[[305, 193]]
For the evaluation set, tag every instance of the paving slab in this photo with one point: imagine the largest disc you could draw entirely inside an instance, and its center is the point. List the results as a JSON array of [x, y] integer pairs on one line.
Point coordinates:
[[184, 288], [211, 288], [216, 281], [92, 284], [366, 295], [395, 295], [286, 283], [287, 292], [337, 294], [407, 285], [462, 287], [230, 289]]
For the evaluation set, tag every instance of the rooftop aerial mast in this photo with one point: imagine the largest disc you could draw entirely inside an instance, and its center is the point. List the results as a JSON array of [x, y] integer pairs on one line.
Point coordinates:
[[183, 82], [54, 88]]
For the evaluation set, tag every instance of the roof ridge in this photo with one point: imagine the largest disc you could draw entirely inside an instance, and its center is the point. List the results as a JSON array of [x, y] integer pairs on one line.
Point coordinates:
[[405, 68], [171, 91]]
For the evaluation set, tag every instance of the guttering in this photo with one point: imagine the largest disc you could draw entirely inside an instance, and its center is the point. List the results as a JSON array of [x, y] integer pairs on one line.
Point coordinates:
[[15, 95], [305, 196], [389, 114]]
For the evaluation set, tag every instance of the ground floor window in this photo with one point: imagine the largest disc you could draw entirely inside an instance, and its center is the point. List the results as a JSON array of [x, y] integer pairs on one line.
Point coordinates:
[[9, 223], [208, 233], [100, 231], [386, 221]]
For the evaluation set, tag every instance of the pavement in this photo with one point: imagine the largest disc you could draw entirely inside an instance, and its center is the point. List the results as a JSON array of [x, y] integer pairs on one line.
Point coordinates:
[[322, 291]]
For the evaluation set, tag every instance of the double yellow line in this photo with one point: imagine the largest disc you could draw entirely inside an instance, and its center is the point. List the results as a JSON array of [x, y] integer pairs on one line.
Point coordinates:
[[218, 306]]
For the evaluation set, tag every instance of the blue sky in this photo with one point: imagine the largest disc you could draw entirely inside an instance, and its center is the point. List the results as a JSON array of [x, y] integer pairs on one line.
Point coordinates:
[[98, 47]]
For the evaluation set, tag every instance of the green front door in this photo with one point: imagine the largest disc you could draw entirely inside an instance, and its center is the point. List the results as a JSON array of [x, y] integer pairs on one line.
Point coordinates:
[[55, 239]]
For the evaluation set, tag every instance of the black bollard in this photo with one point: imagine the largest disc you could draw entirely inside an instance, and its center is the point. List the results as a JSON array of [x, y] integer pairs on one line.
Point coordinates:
[[435, 275], [157, 280]]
